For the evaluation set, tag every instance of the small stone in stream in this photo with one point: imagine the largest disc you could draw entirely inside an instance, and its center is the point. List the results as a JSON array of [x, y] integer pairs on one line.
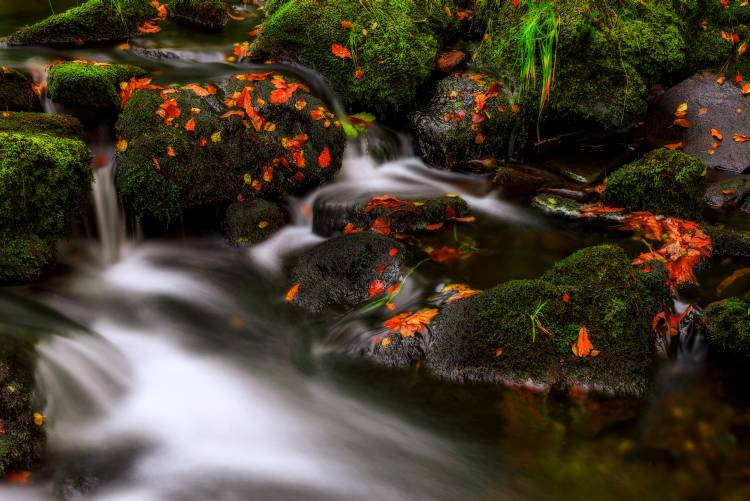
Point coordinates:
[[469, 116], [397, 216], [709, 106], [42, 123], [727, 327], [253, 221], [347, 271], [90, 84], [207, 14], [16, 92], [515, 183], [728, 193]]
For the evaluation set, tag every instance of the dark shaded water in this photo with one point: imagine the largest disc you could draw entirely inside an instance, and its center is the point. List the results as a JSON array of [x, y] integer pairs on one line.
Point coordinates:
[[184, 375]]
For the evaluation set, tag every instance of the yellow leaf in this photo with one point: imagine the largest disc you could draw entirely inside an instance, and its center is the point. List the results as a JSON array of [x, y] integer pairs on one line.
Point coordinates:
[[38, 419], [263, 224], [121, 145], [216, 137]]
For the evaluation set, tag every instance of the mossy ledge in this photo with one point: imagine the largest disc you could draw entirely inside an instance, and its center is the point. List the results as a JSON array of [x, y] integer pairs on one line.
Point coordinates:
[[89, 84]]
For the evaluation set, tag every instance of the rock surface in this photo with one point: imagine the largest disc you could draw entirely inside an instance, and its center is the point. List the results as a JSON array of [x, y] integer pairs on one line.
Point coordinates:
[[90, 84], [727, 327], [16, 93], [253, 221]]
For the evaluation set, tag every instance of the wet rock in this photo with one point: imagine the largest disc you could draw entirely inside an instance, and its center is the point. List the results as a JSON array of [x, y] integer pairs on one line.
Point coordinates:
[[727, 327], [516, 183], [253, 221], [665, 182], [89, 84], [469, 116], [709, 106], [729, 193], [376, 58], [93, 22], [342, 271], [41, 123], [489, 337], [387, 214], [728, 242], [208, 14], [587, 160], [737, 284], [44, 185], [16, 93], [258, 134]]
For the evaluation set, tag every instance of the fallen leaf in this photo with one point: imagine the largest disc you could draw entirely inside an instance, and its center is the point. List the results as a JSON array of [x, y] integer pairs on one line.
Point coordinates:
[[739, 138], [434, 227], [200, 91], [292, 293], [674, 146], [340, 51], [190, 125], [377, 287], [445, 253], [121, 145], [717, 135], [324, 159], [459, 291], [381, 226], [682, 122], [408, 323], [582, 347]]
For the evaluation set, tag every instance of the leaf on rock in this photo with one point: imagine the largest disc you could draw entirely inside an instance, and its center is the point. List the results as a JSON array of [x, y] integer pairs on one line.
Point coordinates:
[[408, 323], [292, 293], [582, 347], [340, 51]]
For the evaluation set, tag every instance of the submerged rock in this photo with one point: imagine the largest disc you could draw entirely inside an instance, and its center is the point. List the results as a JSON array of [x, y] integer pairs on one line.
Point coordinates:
[[497, 337], [709, 106], [89, 84], [729, 193], [727, 327], [253, 221], [93, 22], [664, 182], [346, 271], [387, 214], [209, 14], [468, 117], [41, 123], [728, 242], [375, 56], [260, 134], [16, 92]]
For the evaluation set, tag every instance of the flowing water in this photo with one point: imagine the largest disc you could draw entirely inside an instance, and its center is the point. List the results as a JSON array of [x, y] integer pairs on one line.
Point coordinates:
[[172, 369]]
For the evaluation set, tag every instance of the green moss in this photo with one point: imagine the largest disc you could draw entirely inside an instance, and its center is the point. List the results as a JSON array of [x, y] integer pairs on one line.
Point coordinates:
[[95, 21], [253, 221], [23, 259], [209, 13], [666, 182], [44, 183], [727, 325], [89, 84], [16, 93], [41, 123], [393, 43], [728, 242]]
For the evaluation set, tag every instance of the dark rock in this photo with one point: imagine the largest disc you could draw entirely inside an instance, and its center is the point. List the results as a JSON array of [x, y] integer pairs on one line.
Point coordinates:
[[709, 106], [512, 182], [728, 242], [16, 93], [253, 221], [729, 193], [727, 327]]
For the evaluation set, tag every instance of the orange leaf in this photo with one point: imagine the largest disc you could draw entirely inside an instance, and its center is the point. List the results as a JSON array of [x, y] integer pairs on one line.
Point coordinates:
[[381, 226], [739, 138], [674, 146], [582, 347], [408, 323], [346, 24], [235, 113], [682, 122], [350, 229], [434, 227], [745, 88], [340, 51], [387, 201], [443, 254], [324, 159], [377, 287], [200, 91], [148, 27], [292, 293], [190, 125], [717, 135]]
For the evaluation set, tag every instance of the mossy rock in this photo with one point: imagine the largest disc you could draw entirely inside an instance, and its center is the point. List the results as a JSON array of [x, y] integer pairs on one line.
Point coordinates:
[[340, 272], [16, 93], [330, 217], [665, 182], [252, 221], [93, 22], [608, 53], [89, 84], [209, 14], [489, 337], [728, 242], [393, 45], [23, 259], [41, 123], [290, 147], [727, 327], [454, 126]]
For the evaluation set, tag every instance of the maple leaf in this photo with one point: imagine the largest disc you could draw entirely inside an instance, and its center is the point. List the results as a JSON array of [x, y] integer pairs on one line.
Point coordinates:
[[292, 293], [582, 347], [717, 135], [18, 477], [200, 91], [740, 138], [682, 122], [381, 226], [408, 323], [161, 10], [190, 125], [121, 145], [148, 27], [377, 287], [674, 146], [324, 159], [386, 201], [128, 88], [350, 229], [169, 110], [234, 113], [459, 291], [255, 77], [598, 209], [340, 51], [434, 227], [445, 253]]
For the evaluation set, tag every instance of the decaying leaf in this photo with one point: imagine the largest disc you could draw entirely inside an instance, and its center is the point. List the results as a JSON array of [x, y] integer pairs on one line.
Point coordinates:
[[408, 323]]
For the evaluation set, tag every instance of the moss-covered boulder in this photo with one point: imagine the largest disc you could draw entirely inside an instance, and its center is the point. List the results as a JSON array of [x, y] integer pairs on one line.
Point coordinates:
[[728, 242], [41, 123], [209, 14], [727, 327], [468, 117], [605, 53], [253, 221], [44, 184], [522, 332], [16, 93], [386, 214], [346, 271], [93, 22], [376, 54], [89, 84], [260, 134], [665, 182]]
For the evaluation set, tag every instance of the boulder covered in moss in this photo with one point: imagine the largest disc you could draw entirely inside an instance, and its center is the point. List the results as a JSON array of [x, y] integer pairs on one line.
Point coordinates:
[[712, 126], [208, 14], [523, 332], [41, 123], [387, 214], [44, 185], [93, 22], [665, 182], [252, 221], [89, 84], [16, 92], [259, 134], [727, 327], [469, 117], [375, 55], [346, 271]]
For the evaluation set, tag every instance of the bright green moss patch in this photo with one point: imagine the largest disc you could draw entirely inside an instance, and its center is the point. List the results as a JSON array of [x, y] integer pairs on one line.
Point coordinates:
[[89, 84], [41, 123], [208, 13], [16, 93], [727, 325], [95, 21], [23, 259], [392, 45], [665, 182]]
